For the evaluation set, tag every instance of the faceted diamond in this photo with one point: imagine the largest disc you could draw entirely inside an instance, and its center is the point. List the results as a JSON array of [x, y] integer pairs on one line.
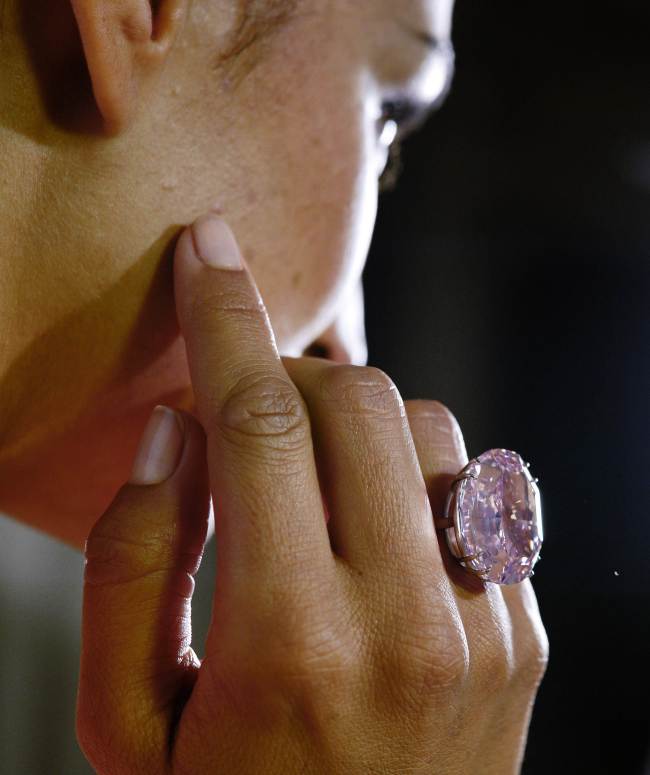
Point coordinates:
[[499, 517]]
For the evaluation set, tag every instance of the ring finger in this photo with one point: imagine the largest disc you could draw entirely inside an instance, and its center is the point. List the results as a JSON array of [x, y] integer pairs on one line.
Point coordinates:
[[483, 610]]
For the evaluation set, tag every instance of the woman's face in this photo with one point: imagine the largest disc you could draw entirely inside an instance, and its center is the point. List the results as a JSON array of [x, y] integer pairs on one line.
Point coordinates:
[[288, 134], [287, 138]]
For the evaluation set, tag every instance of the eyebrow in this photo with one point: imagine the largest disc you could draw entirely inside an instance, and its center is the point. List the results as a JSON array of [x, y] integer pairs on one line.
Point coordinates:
[[429, 40]]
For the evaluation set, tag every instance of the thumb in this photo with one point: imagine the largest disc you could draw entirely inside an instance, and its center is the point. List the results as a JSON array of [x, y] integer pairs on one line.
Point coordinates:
[[137, 665]]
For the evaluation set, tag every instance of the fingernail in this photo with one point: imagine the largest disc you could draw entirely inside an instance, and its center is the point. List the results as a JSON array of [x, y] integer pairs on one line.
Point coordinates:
[[160, 447], [215, 244]]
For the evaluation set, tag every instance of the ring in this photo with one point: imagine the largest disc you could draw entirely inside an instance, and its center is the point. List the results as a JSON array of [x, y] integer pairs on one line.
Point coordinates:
[[493, 517]]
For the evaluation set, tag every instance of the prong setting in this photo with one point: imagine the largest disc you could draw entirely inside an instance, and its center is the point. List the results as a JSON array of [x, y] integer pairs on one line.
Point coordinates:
[[507, 555]]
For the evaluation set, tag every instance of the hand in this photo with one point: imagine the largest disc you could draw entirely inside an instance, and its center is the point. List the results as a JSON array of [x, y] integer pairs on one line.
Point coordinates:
[[339, 642]]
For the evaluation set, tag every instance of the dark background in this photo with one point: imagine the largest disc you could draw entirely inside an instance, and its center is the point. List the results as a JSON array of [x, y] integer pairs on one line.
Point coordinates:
[[509, 277]]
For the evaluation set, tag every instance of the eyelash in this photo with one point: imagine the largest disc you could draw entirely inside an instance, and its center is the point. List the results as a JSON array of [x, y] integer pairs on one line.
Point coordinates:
[[407, 115]]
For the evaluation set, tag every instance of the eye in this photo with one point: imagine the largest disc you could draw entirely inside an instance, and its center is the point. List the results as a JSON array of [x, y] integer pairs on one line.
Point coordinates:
[[399, 118]]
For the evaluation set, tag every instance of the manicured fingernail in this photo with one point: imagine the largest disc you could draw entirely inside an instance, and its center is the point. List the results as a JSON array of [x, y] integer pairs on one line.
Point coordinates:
[[160, 447], [215, 244]]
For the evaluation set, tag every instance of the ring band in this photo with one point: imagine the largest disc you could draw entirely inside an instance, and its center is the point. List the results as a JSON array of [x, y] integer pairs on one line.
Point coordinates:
[[493, 517]]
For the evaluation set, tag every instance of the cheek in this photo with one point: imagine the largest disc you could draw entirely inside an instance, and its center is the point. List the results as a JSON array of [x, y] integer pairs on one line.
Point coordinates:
[[330, 210], [290, 155], [314, 213]]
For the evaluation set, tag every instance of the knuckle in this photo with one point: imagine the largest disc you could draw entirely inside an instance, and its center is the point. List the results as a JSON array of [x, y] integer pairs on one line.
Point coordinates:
[[266, 408], [85, 737], [445, 414], [533, 660], [120, 751], [208, 311], [532, 640], [437, 419], [431, 413], [117, 552], [362, 390], [91, 746], [429, 661]]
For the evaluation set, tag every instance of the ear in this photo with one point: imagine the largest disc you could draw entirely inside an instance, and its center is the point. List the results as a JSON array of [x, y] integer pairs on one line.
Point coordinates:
[[126, 43]]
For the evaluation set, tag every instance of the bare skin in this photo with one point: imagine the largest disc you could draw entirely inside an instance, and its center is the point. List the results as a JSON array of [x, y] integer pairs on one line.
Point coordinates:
[[339, 645], [344, 639], [97, 182]]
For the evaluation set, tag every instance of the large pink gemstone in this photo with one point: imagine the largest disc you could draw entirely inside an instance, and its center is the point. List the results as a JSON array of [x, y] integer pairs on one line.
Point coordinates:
[[499, 517]]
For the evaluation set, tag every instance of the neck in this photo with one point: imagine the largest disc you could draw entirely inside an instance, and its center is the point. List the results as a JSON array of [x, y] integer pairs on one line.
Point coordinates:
[[88, 338]]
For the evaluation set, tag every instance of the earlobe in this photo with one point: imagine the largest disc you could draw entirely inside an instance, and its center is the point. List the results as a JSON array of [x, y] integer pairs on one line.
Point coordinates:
[[125, 43]]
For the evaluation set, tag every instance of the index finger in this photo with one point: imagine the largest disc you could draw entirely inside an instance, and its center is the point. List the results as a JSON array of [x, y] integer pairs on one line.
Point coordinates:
[[269, 518]]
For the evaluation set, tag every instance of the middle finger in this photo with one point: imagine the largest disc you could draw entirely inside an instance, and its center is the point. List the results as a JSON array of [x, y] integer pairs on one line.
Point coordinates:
[[375, 493]]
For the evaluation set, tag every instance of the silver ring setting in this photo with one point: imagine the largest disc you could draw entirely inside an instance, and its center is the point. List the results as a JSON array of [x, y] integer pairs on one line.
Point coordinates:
[[493, 518]]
